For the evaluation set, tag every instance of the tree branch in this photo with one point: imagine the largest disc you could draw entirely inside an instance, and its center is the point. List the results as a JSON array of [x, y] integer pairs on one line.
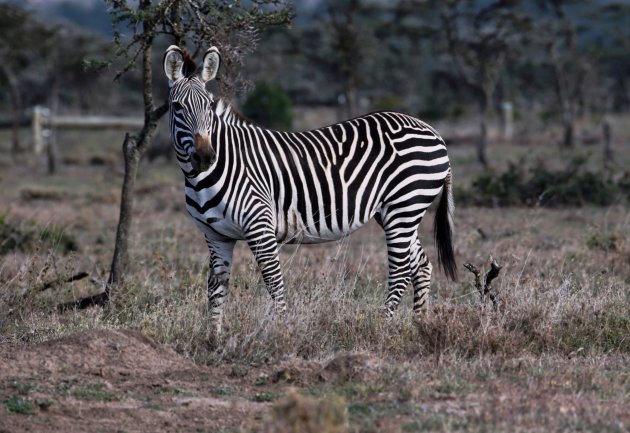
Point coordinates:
[[484, 287]]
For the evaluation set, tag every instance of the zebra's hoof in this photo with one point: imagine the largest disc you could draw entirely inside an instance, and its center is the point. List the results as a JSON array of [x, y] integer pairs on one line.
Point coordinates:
[[279, 309], [388, 312]]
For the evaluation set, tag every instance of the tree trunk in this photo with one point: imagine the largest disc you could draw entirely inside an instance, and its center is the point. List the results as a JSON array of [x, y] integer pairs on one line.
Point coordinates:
[[51, 148], [608, 151], [16, 107], [482, 142], [51, 154], [567, 124], [567, 136], [133, 149], [132, 155], [486, 114], [351, 101]]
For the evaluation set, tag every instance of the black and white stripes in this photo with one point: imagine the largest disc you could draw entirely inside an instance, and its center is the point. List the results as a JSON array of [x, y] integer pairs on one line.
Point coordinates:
[[243, 182]]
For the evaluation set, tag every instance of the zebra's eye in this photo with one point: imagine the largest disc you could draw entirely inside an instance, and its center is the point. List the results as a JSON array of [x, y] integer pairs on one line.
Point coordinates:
[[177, 106]]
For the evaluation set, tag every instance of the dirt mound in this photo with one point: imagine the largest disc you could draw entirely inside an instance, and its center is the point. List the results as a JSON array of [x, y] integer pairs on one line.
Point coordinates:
[[342, 368], [103, 352], [297, 372], [351, 367]]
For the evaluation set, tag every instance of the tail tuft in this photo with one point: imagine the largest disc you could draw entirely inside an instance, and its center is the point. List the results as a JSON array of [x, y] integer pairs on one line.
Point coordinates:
[[443, 229]]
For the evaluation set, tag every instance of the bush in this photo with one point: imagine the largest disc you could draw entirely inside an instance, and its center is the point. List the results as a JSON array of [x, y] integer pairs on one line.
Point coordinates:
[[432, 114], [387, 103], [303, 414], [269, 106], [518, 186]]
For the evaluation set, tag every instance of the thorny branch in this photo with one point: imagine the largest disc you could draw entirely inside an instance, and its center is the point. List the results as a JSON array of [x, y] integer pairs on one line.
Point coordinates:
[[484, 287]]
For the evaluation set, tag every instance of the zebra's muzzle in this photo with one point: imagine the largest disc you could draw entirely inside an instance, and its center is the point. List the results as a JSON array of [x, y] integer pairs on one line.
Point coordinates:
[[203, 146], [203, 156]]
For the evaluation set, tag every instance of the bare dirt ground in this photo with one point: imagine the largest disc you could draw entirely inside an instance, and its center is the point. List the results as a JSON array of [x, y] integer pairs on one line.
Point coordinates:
[[120, 380], [115, 380]]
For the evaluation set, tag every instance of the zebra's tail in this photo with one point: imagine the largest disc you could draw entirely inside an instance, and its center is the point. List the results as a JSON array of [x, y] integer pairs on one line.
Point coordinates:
[[443, 229]]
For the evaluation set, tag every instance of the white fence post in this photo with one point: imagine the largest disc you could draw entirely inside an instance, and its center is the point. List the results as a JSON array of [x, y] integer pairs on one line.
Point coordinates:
[[41, 128]]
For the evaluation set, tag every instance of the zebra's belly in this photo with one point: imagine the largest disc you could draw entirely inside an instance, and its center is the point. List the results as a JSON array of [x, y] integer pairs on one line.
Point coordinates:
[[300, 238], [295, 229], [213, 225]]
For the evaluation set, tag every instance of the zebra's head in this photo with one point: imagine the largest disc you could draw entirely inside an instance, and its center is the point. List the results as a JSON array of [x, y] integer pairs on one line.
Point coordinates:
[[191, 107]]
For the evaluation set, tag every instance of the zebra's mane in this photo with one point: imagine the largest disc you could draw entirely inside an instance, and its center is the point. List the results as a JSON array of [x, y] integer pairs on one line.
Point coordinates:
[[190, 67], [226, 111]]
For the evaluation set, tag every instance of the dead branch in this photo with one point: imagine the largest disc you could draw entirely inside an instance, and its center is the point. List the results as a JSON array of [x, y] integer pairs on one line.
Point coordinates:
[[61, 280], [83, 303], [484, 287], [472, 268], [491, 274]]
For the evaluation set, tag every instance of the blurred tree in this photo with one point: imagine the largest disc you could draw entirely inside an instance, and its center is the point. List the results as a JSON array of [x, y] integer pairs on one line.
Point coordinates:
[[372, 50], [69, 83], [403, 28], [230, 25], [478, 37], [349, 49], [608, 50], [24, 46], [345, 31], [269, 106], [559, 35]]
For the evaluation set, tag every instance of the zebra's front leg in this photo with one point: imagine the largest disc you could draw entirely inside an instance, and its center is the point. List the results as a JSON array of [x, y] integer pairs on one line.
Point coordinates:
[[265, 249], [218, 279]]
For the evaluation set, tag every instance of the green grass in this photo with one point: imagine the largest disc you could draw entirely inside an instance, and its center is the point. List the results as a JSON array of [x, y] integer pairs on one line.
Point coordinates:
[[261, 380], [94, 391], [220, 391], [265, 396], [29, 237], [20, 405]]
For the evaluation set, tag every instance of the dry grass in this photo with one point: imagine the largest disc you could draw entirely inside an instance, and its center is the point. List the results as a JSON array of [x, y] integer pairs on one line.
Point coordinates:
[[560, 337], [558, 295]]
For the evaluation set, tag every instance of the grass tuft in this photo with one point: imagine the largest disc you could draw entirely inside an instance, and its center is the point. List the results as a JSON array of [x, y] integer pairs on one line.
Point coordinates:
[[297, 413], [20, 405]]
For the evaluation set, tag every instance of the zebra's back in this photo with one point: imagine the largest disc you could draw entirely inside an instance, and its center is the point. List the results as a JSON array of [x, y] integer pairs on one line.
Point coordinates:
[[328, 182]]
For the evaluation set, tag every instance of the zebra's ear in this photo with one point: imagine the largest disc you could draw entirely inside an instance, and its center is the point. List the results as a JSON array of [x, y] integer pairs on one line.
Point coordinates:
[[211, 62], [173, 64]]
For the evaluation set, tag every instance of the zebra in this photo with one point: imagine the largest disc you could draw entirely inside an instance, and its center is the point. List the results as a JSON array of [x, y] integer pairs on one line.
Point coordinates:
[[266, 187]]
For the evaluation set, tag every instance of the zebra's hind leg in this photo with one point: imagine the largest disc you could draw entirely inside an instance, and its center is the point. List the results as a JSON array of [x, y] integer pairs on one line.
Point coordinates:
[[398, 259], [420, 277], [218, 279], [265, 249]]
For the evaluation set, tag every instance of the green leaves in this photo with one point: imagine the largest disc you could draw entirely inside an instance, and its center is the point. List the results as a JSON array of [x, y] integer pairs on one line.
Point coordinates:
[[232, 26]]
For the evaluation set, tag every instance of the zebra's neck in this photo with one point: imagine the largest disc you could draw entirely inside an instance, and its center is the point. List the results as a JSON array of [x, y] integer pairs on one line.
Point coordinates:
[[226, 113]]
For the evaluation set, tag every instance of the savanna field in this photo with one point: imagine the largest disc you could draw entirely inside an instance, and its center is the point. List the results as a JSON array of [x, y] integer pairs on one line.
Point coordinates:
[[554, 356]]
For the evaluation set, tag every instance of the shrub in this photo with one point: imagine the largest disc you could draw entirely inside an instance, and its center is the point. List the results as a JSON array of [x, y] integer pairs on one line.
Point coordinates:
[[20, 405], [389, 102], [269, 106], [304, 414], [538, 185], [432, 114]]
